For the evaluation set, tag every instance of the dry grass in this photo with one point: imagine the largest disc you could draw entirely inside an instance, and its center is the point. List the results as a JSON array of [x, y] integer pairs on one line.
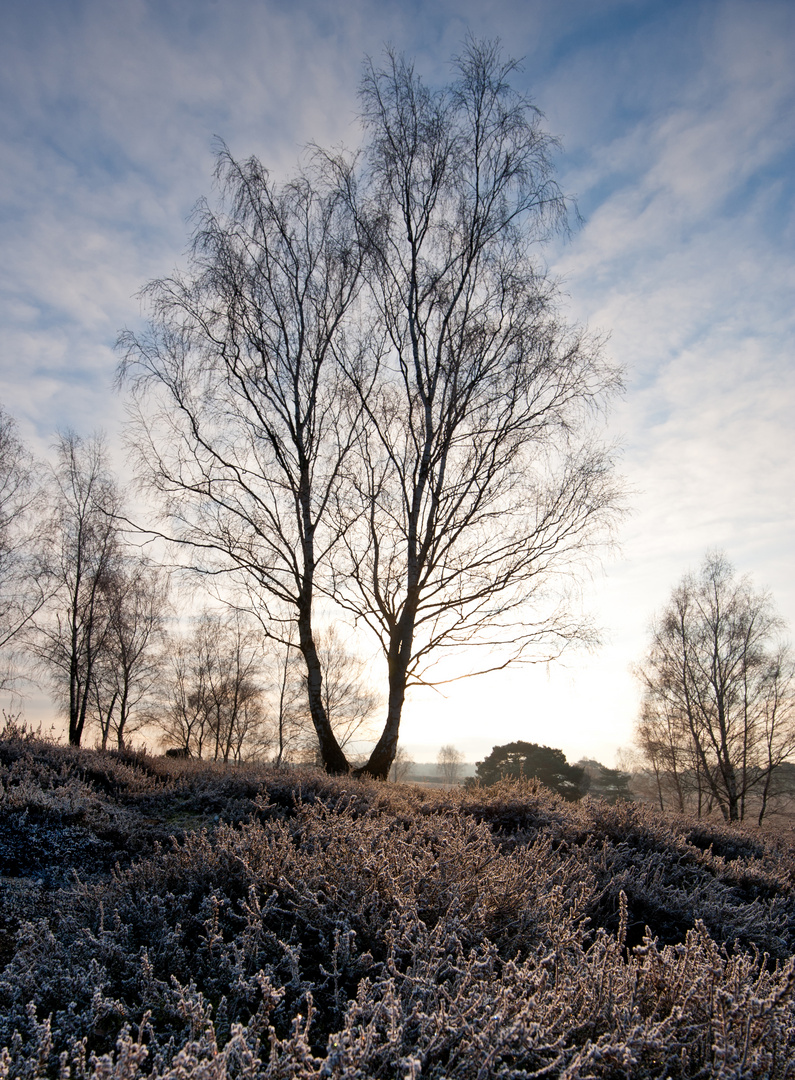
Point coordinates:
[[174, 919]]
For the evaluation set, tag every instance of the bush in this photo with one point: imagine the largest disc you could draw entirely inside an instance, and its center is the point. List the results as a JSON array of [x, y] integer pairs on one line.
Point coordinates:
[[302, 926], [518, 760]]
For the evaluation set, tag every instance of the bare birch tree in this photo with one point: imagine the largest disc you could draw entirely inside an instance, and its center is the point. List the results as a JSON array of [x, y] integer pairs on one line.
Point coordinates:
[[180, 712], [720, 684], [136, 596], [401, 767], [82, 553], [480, 479], [289, 700], [247, 427], [233, 684], [448, 762], [213, 700], [23, 585]]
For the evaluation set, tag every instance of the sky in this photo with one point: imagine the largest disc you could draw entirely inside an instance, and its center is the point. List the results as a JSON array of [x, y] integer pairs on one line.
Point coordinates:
[[677, 128]]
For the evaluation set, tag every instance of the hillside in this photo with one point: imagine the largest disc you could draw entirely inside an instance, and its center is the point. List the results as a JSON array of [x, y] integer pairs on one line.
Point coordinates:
[[170, 918]]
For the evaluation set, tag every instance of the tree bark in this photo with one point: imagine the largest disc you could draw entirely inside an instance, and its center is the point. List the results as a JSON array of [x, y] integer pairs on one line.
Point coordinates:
[[333, 758]]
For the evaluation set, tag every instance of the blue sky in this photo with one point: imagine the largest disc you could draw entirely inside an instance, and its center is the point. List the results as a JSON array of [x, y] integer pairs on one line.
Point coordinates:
[[677, 121]]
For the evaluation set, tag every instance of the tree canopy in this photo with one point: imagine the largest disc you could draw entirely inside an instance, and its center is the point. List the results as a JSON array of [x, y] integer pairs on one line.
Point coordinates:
[[526, 759]]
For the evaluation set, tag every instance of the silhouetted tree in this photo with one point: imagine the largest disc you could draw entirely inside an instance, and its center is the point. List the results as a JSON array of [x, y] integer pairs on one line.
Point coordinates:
[[180, 712], [480, 481], [247, 423], [23, 583], [719, 691], [524, 759], [289, 699], [603, 783], [124, 676], [214, 695], [82, 554], [401, 766]]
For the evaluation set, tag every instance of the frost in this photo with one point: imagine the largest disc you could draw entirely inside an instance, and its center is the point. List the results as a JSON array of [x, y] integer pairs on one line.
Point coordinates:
[[337, 928]]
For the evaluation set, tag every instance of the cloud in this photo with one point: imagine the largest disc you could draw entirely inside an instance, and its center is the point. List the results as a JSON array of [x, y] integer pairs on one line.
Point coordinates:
[[680, 261]]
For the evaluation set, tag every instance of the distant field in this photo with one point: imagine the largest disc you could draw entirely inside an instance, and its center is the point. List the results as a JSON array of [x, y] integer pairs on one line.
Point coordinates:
[[182, 920]]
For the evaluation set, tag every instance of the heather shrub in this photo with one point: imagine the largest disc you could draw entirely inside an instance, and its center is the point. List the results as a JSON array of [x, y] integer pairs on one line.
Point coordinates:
[[305, 926]]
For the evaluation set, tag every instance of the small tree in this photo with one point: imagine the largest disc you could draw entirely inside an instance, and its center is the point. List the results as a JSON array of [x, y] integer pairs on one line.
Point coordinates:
[[611, 785], [448, 764], [214, 700], [136, 596], [524, 759], [23, 584], [287, 693], [180, 712], [82, 555], [718, 714]]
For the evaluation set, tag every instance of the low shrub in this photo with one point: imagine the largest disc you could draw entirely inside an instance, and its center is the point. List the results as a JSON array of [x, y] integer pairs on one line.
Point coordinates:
[[297, 925]]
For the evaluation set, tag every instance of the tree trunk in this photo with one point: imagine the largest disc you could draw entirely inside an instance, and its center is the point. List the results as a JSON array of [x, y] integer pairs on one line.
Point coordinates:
[[282, 695], [386, 748], [123, 715], [331, 754], [765, 795], [400, 646], [659, 788], [732, 795], [105, 724], [75, 727]]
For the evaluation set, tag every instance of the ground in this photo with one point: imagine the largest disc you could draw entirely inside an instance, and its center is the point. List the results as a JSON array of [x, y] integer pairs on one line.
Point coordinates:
[[186, 920]]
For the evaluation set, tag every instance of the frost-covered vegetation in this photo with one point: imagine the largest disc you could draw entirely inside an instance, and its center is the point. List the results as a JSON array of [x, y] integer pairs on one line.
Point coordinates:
[[178, 919]]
